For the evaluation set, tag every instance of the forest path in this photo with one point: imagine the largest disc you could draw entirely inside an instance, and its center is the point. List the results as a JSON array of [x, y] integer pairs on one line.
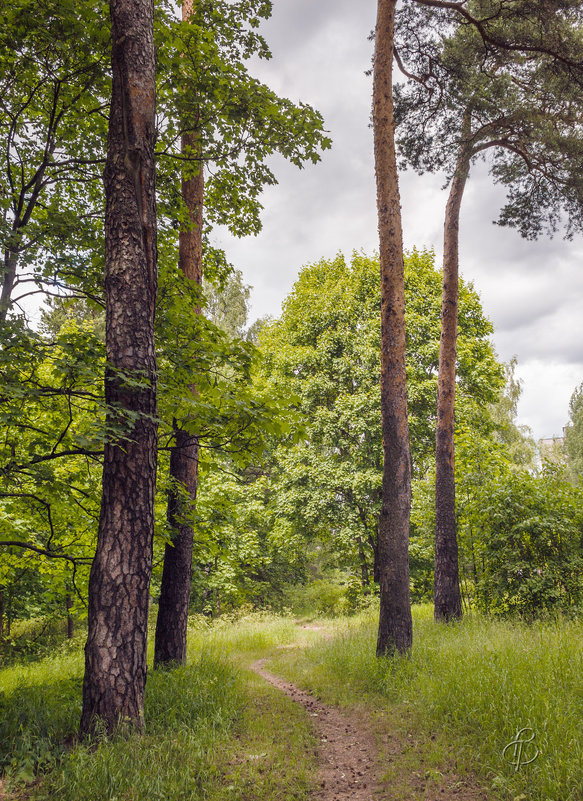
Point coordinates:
[[347, 753], [365, 753]]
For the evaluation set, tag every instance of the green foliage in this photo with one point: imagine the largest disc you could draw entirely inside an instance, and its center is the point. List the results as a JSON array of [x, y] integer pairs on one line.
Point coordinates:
[[516, 439], [238, 558], [53, 433], [54, 89], [54, 429], [532, 529], [241, 557], [325, 350], [493, 459], [228, 307], [574, 433], [516, 94], [35, 638], [328, 597], [54, 71], [519, 532], [54, 81], [205, 88]]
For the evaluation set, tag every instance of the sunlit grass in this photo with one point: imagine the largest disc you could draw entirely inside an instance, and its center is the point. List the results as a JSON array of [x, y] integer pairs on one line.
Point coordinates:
[[213, 731], [216, 732], [188, 711], [243, 637], [480, 682]]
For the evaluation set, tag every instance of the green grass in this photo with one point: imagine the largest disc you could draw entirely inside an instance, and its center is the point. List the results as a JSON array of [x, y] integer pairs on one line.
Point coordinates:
[[39, 712], [242, 638], [271, 756], [214, 731], [476, 683], [37, 638]]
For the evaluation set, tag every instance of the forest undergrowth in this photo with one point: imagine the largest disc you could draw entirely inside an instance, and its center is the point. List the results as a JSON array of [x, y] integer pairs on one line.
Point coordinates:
[[215, 731], [212, 731]]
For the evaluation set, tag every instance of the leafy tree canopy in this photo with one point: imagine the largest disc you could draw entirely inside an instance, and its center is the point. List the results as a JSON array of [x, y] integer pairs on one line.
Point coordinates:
[[54, 84], [325, 350], [574, 433]]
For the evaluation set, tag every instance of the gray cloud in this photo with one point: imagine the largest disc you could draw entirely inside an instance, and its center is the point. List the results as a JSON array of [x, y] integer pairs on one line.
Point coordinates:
[[532, 291]]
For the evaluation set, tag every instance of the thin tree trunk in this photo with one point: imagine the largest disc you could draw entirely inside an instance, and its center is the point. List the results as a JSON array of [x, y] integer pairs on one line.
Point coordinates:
[[364, 574], [395, 625], [172, 621], [8, 279], [115, 654], [375, 561], [70, 621], [1, 615], [364, 566], [8, 614], [446, 588]]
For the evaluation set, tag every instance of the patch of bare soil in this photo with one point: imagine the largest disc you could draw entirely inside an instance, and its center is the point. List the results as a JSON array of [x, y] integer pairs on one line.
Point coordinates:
[[347, 753], [314, 627], [4, 794]]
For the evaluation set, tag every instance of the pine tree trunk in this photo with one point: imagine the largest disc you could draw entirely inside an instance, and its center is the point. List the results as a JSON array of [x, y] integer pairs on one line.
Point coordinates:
[[446, 590], [70, 621], [395, 625], [115, 654], [172, 621]]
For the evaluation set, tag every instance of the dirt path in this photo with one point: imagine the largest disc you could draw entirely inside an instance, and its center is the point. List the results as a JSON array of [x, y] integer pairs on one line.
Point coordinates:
[[347, 753], [364, 757]]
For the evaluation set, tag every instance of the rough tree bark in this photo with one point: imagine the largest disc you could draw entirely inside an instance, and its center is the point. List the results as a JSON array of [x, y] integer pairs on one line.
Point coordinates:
[[115, 653], [395, 626], [172, 621], [446, 590]]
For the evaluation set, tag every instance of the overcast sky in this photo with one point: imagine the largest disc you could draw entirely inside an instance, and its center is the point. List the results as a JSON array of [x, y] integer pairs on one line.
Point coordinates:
[[532, 292]]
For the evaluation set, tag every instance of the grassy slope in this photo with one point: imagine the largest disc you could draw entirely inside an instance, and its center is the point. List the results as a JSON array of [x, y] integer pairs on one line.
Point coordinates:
[[470, 687]]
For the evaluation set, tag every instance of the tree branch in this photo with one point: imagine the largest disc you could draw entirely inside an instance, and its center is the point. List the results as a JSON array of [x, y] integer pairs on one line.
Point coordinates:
[[75, 560]]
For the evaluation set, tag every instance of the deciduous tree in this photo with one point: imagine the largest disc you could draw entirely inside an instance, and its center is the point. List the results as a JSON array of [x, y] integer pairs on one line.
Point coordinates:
[[324, 351], [574, 433], [53, 96], [228, 123]]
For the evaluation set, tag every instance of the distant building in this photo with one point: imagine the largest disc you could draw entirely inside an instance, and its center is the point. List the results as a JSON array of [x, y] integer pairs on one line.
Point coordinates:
[[552, 449]]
